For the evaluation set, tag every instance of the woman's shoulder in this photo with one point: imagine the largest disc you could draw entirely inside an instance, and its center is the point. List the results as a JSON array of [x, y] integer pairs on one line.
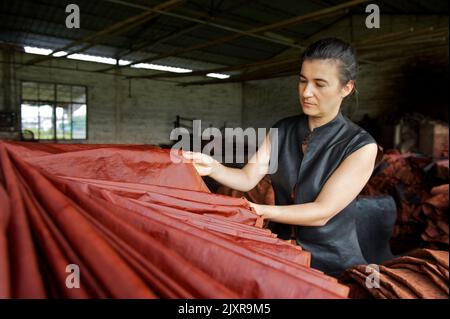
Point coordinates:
[[357, 133], [357, 137]]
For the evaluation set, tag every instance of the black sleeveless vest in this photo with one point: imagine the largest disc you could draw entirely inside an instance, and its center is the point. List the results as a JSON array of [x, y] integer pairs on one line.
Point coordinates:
[[300, 177]]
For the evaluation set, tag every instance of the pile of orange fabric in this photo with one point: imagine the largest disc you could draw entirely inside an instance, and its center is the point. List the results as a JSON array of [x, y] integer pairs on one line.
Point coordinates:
[[136, 225], [405, 178], [421, 274], [442, 168], [435, 209]]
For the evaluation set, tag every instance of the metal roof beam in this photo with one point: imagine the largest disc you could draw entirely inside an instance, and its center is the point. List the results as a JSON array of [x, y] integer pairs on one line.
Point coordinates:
[[115, 29], [172, 35], [313, 16], [265, 62]]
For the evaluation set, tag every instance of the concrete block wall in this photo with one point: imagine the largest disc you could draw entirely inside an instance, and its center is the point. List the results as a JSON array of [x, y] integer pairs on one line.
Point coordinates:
[[267, 101], [142, 114]]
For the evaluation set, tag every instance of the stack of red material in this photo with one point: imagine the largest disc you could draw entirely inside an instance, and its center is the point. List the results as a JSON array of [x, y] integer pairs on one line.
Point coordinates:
[[422, 274], [138, 226], [435, 209], [442, 169], [403, 177]]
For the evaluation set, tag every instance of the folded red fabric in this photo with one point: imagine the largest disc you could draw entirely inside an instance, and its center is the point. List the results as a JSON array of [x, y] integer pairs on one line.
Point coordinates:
[[421, 274], [138, 226]]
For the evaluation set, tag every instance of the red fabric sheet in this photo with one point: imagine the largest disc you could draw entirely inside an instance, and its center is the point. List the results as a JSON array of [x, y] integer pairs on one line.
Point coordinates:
[[138, 226]]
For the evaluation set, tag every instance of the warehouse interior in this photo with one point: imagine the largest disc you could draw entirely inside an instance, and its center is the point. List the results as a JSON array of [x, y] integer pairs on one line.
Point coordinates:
[[90, 92]]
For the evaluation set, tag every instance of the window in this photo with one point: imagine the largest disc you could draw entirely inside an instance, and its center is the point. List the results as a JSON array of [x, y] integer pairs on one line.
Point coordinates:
[[54, 111]]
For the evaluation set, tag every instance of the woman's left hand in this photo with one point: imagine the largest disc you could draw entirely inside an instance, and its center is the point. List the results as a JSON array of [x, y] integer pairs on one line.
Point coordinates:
[[255, 208], [259, 209]]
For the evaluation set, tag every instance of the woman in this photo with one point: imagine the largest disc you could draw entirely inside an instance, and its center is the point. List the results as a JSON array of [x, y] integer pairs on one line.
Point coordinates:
[[324, 161]]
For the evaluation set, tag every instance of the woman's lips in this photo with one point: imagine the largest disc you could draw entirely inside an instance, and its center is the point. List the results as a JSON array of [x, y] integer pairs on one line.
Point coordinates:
[[307, 104]]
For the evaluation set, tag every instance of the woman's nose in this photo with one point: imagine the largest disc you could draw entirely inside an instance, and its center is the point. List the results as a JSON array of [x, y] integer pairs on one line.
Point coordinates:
[[307, 92]]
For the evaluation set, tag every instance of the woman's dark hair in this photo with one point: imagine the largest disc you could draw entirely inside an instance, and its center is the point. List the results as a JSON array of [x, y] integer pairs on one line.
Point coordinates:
[[334, 49]]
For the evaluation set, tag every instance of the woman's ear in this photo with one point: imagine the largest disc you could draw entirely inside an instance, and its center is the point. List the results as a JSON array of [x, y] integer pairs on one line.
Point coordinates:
[[348, 88]]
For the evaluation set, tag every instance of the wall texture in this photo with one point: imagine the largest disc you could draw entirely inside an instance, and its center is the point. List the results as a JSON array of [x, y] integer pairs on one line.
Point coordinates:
[[117, 113]]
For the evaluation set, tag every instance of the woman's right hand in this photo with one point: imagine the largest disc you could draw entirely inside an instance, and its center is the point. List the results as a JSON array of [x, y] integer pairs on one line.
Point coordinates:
[[204, 164]]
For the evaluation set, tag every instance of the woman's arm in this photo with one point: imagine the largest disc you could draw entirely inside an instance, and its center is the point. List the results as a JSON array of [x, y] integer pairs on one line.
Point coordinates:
[[341, 188], [239, 179]]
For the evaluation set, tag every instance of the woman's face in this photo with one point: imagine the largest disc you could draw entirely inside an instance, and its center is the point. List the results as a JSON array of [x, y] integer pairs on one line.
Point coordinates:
[[320, 91]]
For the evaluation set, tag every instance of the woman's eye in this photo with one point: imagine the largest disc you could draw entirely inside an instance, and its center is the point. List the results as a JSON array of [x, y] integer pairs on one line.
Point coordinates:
[[302, 81]]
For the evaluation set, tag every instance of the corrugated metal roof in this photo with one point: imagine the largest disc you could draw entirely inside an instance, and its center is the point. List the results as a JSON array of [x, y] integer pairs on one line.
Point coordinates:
[[42, 24]]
